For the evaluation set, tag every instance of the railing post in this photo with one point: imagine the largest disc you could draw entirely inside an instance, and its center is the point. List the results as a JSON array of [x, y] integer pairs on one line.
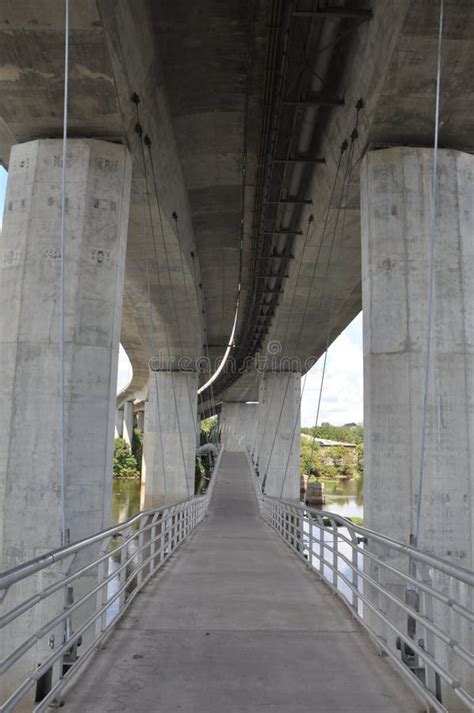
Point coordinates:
[[427, 609], [354, 569], [335, 559], [156, 531], [102, 595], [140, 554]]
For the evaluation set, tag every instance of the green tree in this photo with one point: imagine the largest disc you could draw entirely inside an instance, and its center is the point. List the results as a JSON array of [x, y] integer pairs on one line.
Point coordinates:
[[209, 428], [349, 433], [137, 446], [125, 464]]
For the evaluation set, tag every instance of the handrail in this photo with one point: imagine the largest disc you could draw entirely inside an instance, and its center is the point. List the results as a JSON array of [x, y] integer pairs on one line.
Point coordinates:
[[16, 574], [415, 606], [461, 573], [108, 580]]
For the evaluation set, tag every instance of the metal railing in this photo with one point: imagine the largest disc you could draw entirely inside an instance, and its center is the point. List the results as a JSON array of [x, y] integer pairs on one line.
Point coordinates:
[[416, 607], [89, 586]]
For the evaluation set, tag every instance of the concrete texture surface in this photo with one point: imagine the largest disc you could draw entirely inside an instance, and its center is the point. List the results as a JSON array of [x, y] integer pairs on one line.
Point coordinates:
[[97, 195], [276, 447], [199, 72], [396, 189], [237, 623], [238, 422], [169, 438]]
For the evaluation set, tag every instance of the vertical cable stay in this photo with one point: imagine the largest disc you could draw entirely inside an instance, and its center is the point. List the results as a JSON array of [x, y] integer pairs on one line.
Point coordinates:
[[153, 344], [146, 140], [186, 289], [323, 233], [429, 327], [309, 232], [345, 184], [333, 301], [200, 301], [62, 394]]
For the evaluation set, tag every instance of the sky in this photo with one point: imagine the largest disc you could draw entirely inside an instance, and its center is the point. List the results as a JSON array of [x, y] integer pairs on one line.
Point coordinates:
[[3, 188], [342, 395], [343, 383]]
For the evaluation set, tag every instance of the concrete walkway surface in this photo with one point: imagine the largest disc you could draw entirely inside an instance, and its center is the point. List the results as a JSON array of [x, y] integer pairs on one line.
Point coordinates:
[[235, 623]]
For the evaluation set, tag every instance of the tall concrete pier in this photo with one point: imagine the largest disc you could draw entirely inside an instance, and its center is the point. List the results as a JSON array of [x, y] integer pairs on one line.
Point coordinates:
[[97, 195], [169, 438], [397, 229], [277, 443], [238, 423]]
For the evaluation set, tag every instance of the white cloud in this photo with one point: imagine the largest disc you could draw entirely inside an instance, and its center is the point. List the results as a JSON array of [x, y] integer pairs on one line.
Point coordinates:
[[342, 396], [125, 370]]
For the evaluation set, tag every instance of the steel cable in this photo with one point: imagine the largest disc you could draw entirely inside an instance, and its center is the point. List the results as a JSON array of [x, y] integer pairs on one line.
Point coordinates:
[[62, 394], [429, 326]]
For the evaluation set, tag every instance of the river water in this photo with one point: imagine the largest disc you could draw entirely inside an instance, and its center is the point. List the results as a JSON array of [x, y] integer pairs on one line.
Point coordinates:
[[343, 498], [125, 499]]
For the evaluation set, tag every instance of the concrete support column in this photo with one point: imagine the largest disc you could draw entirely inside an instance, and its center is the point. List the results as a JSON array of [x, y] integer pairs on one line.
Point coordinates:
[[238, 422], [97, 202], [128, 419], [119, 423], [169, 438], [141, 420], [396, 233], [277, 444]]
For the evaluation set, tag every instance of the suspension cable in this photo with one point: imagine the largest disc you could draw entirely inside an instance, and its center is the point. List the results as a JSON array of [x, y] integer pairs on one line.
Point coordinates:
[[153, 342], [168, 268], [309, 231], [173, 388], [429, 327], [310, 223], [188, 300], [345, 184], [334, 232], [325, 224], [333, 303], [65, 535]]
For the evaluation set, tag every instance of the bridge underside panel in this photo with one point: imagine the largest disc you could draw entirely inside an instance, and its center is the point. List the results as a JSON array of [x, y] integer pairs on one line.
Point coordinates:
[[237, 624]]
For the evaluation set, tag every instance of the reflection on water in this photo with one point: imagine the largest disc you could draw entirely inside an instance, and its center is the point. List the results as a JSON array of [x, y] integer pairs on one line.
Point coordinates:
[[125, 503], [345, 497], [323, 559], [125, 500]]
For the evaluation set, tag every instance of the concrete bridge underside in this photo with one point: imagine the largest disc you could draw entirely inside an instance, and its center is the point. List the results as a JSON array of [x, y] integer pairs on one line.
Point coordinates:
[[246, 108], [235, 623]]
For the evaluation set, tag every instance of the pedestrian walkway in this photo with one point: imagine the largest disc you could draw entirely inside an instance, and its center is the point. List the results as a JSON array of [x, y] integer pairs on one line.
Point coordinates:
[[236, 623]]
